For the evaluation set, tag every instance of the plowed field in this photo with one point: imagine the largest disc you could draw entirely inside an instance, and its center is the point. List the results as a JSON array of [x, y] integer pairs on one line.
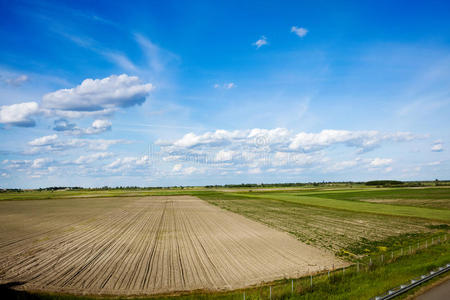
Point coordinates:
[[146, 245]]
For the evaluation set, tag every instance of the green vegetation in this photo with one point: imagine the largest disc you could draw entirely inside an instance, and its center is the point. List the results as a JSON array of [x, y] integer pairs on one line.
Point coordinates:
[[420, 197], [336, 230], [357, 206], [384, 182]]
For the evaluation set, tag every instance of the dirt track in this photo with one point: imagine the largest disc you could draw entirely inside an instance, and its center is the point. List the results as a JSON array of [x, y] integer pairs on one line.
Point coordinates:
[[151, 245]]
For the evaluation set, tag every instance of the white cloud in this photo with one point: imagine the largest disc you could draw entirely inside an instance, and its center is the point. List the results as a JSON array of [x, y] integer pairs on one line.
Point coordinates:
[[285, 140], [98, 126], [120, 59], [44, 141], [19, 114], [437, 146], [300, 31], [128, 163], [279, 148], [63, 125], [177, 167], [255, 171], [158, 58], [40, 163], [378, 162], [99, 95], [224, 155], [17, 81], [346, 164], [364, 140], [190, 170], [261, 42], [226, 86], [54, 143], [87, 159]]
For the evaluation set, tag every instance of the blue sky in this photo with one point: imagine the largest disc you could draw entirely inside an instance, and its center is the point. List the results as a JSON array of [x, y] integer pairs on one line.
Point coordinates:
[[213, 92]]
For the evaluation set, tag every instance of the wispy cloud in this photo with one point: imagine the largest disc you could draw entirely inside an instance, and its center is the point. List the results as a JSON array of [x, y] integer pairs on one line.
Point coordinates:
[[226, 86], [16, 81], [261, 42], [437, 146], [300, 31]]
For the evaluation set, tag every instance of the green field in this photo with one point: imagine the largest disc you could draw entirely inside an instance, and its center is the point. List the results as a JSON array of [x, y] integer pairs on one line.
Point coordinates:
[[338, 200]]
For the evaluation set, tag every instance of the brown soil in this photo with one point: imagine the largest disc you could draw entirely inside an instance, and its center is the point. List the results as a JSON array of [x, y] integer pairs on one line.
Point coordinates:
[[146, 245]]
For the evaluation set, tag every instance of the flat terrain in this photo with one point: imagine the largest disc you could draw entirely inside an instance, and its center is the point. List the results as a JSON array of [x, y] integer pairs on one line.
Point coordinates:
[[144, 245], [319, 226], [334, 201]]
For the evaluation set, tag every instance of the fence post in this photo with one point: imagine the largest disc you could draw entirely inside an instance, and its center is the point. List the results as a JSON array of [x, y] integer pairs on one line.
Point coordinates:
[[292, 287], [310, 278], [270, 292], [328, 273], [244, 295]]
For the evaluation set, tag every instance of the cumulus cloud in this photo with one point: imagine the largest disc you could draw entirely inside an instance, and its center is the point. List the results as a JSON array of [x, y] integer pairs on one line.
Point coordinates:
[[261, 42], [277, 149], [98, 126], [19, 114], [363, 140], [63, 125], [300, 31], [285, 140], [379, 162], [437, 146], [92, 98], [94, 95], [40, 163]]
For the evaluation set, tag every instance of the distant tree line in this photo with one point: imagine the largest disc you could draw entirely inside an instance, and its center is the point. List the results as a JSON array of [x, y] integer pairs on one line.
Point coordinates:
[[376, 183]]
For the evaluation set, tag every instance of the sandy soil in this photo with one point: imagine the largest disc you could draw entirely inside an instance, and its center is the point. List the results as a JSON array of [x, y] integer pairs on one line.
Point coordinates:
[[147, 245]]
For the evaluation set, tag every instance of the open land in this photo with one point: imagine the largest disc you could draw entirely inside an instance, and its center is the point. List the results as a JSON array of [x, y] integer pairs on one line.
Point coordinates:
[[163, 241], [144, 245]]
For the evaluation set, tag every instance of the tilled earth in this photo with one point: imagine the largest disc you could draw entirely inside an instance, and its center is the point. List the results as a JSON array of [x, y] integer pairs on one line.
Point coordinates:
[[144, 245]]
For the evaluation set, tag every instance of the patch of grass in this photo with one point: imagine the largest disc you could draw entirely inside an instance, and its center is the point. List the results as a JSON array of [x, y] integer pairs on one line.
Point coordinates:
[[422, 197], [356, 206], [320, 226]]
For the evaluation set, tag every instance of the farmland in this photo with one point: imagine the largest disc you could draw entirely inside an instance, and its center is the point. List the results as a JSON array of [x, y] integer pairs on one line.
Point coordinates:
[[210, 240], [144, 245]]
